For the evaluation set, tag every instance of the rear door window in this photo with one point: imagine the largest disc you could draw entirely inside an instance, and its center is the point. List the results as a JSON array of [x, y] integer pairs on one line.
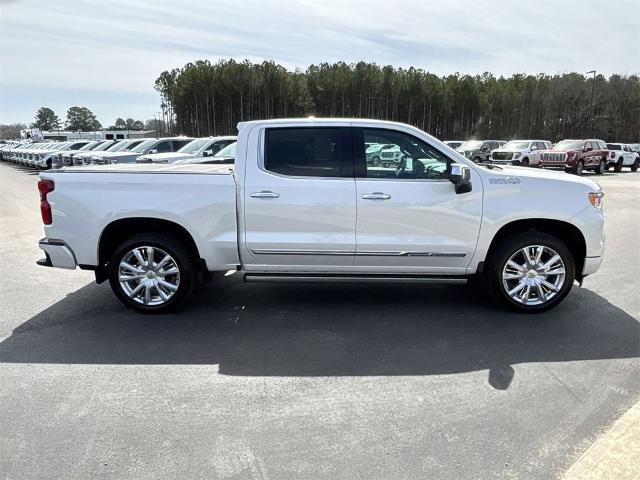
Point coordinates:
[[163, 147], [304, 152]]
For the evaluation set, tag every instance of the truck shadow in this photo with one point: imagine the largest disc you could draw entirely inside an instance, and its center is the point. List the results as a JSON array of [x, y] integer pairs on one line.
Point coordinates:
[[326, 330]]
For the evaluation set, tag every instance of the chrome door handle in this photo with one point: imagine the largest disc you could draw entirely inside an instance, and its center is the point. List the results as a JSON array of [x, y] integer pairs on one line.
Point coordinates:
[[265, 194], [376, 196]]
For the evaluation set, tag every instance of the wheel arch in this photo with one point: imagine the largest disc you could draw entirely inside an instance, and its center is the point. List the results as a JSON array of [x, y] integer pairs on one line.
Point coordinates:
[[564, 231], [119, 230]]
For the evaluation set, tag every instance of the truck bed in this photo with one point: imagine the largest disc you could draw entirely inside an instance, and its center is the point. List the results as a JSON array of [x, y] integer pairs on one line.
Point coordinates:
[[199, 198], [193, 168]]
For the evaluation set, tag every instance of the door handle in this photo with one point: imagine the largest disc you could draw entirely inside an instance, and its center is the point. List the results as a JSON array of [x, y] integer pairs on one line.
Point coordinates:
[[265, 194], [376, 196]]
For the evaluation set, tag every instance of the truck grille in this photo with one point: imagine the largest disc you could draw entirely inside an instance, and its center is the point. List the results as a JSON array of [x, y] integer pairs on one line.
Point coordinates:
[[554, 157], [502, 155], [387, 154]]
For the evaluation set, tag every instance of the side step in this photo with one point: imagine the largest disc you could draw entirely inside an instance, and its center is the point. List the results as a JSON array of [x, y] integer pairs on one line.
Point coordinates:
[[352, 278]]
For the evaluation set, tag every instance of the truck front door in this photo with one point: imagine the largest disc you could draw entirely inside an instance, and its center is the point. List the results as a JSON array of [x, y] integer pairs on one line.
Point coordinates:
[[410, 219]]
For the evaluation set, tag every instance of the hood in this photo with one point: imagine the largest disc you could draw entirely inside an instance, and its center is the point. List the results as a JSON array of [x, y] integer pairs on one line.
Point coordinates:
[[166, 157], [539, 173], [117, 154], [565, 150], [510, 150]]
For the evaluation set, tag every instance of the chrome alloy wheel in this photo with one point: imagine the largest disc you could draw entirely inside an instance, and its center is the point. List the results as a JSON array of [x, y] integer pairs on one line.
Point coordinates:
[[149, 275], [533, 275]]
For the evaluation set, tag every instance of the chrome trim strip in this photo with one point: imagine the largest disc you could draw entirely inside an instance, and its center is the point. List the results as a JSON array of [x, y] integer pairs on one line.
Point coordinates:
[[350, 279], [276, 251], [364, 253]]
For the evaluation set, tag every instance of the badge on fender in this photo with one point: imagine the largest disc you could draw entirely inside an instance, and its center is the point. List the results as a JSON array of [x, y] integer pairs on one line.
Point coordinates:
[[511, 180]]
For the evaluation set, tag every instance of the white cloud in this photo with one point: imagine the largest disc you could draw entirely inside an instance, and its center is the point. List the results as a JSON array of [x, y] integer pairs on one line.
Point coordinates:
[[122, 46]]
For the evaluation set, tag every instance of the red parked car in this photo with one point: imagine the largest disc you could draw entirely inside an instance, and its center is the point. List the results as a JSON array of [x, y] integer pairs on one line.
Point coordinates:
[[576, 156]]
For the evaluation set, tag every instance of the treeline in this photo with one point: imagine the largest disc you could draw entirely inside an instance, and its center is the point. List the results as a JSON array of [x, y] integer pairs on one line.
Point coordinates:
[[202, 98]]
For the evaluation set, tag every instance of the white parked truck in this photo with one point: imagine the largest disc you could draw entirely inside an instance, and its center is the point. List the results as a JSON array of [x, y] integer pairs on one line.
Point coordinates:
[[302, 203]]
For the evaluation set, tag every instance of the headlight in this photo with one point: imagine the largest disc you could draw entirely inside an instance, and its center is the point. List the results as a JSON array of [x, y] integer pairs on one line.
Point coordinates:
[[596, 199], [516, 155]]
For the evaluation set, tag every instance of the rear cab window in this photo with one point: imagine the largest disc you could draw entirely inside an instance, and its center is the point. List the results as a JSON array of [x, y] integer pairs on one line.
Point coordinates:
[[308, 151]]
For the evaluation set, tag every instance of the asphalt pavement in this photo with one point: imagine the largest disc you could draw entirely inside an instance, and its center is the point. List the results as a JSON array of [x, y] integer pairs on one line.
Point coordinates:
[[282, 381]]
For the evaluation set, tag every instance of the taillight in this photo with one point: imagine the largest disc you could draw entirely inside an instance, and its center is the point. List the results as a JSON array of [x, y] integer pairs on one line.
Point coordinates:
[[44, 187]]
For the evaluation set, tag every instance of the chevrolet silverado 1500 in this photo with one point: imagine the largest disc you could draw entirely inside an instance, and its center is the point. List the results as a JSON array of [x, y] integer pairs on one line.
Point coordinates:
[[303, 203]]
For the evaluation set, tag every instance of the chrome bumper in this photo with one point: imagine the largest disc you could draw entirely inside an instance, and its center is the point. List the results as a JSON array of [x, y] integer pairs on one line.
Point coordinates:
[[58, 254]]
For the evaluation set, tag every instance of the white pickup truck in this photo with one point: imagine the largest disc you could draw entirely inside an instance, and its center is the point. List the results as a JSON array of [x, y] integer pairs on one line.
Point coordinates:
[[302, 203]]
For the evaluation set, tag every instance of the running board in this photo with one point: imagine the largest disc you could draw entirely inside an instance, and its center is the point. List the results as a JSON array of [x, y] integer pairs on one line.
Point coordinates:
[[352, 278]]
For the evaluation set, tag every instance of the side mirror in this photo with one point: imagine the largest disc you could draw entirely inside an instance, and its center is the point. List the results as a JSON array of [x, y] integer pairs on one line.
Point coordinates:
[[484, 149], [460, 176], [152, 151], [533, 147], [587, 149], [207, 153]]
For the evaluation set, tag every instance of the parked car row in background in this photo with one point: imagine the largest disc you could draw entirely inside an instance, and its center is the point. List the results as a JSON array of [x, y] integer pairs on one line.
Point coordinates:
[[573, 156], [52, 155]]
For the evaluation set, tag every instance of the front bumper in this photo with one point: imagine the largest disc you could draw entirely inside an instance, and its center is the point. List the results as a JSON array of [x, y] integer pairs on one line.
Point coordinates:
[[591, 265], [58, 254]]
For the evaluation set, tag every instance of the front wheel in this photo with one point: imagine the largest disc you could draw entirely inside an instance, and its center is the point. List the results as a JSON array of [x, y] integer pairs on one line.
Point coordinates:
[[579, 168], [618, 166], [525, 162], [601, 167], [152, 273], [530, 272]]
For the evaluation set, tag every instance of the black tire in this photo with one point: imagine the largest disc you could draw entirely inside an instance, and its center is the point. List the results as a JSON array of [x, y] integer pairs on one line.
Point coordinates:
[[634, 167], [184, 261], [477, 160], [375, 161], [579, 168], [601, 167], [498, 258], [618, 166], [525, 162]]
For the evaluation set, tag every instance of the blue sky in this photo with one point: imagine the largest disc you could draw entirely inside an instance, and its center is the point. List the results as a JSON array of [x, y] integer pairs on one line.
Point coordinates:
[[106, 55]]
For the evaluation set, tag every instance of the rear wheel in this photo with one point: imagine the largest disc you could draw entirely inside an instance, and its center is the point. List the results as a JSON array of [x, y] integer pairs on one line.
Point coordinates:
[[618, 166], [579, 168], [530, 272], [152, 273]]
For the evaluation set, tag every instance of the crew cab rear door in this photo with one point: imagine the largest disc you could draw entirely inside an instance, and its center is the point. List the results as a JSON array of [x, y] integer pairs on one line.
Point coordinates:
[[410, 219], [299, 200]]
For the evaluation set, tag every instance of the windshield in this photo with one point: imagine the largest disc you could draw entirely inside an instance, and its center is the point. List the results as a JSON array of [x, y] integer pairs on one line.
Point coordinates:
[[516, 145], [144, 146], [193, 147], [613, 146], [228, 151], [471, 145], [103, 146], [88, 146], [116, 147], [569, 145]]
